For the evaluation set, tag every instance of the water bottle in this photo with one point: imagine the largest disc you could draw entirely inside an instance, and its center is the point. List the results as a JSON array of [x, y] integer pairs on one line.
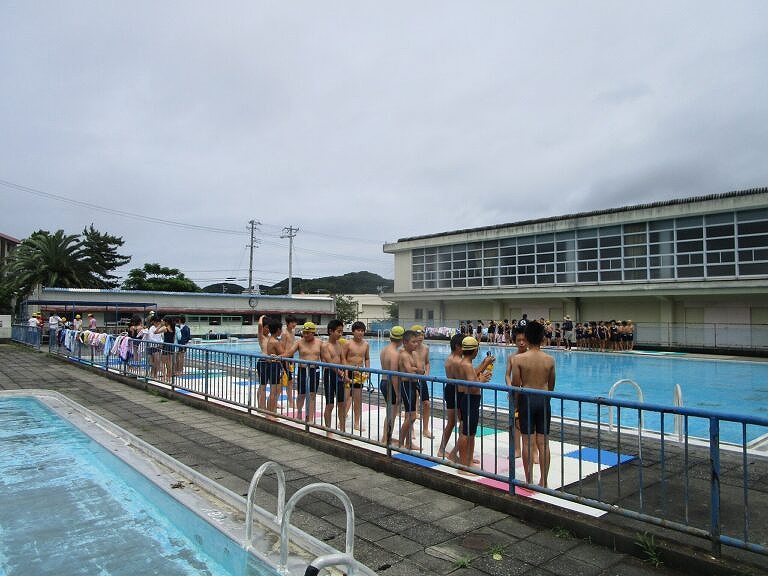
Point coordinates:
[[489, 367]]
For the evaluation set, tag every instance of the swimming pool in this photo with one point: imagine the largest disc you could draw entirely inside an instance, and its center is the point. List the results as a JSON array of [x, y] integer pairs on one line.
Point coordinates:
[[68, 506], [732, 386]]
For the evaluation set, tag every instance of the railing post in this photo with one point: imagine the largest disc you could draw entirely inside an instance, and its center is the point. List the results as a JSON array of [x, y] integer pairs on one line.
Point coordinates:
[[714, 459], [207, 361]]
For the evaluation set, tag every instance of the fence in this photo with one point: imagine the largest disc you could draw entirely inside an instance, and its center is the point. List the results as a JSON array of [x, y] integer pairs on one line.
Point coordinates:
[[666, 477]]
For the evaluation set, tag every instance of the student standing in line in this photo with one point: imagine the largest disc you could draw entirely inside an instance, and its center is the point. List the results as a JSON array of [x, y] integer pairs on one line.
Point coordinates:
[[536, 370], [469, 400], [421, 354], [406, 362], [357, 353], [308, 375], [334, 379], [390, 385]]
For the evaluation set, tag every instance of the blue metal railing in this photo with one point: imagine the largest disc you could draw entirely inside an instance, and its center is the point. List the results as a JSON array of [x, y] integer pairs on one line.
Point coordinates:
[[646, 475]]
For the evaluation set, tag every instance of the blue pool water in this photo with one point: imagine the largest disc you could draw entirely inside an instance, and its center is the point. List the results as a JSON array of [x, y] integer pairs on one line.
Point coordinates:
[[68, 506], [738, 387]]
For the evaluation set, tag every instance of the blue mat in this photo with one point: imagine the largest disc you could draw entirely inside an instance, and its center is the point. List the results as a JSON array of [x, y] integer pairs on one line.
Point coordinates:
[[607, 457], [415, 460]]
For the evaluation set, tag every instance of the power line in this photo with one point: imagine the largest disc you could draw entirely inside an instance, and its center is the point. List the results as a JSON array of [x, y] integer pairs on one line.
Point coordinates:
[[187, 225], [117, 212]]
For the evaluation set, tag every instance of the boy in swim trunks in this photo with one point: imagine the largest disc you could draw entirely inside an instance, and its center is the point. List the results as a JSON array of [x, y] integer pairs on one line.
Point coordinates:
[[273, 367], [308, 374], [421, 353], [406, 362], [390, 385], [449, 392], [334, 378], [536, 370], [522, 346], [358, 353], [469, 400], [287, 338]]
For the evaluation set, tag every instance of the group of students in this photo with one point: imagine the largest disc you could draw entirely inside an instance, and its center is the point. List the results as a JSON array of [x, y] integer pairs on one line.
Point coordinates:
[[342, 387], [56, 322], [610, 335], [163, 341], [529, 368]]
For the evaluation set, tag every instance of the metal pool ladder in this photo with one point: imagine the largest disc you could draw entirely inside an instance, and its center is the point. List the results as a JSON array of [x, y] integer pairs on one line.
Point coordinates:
[[283, 518], [641, 398]]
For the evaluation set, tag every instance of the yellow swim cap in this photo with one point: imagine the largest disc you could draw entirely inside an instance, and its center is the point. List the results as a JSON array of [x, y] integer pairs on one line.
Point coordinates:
[[396, 333], [342, 340], [417, 328], [309, 327], [469, 343]]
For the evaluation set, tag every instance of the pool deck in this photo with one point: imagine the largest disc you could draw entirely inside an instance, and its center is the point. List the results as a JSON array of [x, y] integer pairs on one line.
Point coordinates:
[[402, 527]]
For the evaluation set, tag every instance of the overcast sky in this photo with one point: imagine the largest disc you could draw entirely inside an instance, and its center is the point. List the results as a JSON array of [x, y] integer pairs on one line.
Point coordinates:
[[364, 122]]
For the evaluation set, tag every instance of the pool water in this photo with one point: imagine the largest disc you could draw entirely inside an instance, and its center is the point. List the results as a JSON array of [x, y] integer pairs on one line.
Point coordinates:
[[736, 387], [68, 506]]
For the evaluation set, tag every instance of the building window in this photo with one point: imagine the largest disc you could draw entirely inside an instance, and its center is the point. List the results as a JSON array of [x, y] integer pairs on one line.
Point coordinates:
[[721, 245], [430, 314], [418, 313]]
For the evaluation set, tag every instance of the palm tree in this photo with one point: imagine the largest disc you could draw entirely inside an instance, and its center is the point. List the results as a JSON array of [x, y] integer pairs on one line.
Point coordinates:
[[48, 260]]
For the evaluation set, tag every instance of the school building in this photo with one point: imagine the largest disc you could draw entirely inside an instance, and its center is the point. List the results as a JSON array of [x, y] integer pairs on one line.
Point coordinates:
[[693, 269]]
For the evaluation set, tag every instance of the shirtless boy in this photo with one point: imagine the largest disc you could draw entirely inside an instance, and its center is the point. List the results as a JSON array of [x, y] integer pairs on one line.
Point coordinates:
[[406, 362], [273, 367], [358, 353], [522, 346], [334, 378], [390, 385], [449, 392], [308, 374], [421, 353], [287, 338], [469, 399], [536, 370]]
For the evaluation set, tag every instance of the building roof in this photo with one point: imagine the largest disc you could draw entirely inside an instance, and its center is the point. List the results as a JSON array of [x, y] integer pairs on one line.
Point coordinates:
[[10, 238], [677, 201]]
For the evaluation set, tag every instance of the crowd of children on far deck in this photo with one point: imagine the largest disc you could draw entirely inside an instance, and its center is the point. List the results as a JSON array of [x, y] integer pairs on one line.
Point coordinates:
[[596, 335]]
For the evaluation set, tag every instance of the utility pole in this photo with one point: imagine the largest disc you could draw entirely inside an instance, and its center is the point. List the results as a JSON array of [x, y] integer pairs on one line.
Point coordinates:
[[289, 233], [254, 242]]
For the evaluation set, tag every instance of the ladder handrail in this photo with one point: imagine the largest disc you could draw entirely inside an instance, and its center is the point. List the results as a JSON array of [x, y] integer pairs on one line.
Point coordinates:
[[612, 392], [291, 505], [251, 491], [641, 398]]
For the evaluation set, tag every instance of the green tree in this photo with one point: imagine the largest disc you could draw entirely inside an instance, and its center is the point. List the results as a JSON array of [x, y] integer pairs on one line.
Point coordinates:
[[63, 261], [156, 278], [393, 312], [346, 308], [100, 257]]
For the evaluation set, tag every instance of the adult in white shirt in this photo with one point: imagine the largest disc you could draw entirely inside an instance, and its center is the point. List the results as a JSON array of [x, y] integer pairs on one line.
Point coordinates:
[[53, 327], [154, 348]]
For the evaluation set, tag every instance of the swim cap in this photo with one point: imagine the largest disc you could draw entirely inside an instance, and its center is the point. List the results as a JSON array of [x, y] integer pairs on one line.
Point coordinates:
[[309, 327], [63, 319], [78, 316], [469, 343], [396, 333], [342, 340], [417, 328]]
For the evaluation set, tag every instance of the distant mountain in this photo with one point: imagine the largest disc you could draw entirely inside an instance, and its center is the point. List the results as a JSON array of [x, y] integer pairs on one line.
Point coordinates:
[[224, 288], [351, 283]]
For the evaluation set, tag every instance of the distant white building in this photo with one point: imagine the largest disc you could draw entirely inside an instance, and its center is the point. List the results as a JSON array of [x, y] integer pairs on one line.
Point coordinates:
[[371, 307], [235, 314]]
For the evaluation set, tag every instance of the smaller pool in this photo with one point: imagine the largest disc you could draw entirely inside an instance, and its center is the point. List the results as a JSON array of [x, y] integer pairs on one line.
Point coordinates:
[[68, 506]]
